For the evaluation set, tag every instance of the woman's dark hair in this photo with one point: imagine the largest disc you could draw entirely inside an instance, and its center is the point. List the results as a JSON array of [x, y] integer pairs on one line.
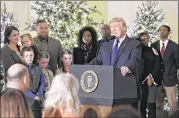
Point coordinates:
[[124, 112], [13, 104], [142, 34], [8, 32], [93, 35]]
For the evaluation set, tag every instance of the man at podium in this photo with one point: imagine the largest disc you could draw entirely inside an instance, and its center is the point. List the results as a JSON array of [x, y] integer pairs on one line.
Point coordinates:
[[122, 52]]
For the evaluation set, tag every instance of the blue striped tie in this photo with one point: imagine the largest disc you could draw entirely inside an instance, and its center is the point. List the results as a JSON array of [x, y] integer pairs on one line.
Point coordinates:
[[114, 52]]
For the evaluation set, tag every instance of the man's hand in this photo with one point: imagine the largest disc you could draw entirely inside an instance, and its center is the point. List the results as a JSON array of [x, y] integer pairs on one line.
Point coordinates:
[[37, 98], [149, 81], [124, 70]]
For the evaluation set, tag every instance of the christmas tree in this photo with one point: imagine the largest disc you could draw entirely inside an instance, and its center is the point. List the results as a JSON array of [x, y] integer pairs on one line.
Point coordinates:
[[148, 19], [65, 19], [6, 20]]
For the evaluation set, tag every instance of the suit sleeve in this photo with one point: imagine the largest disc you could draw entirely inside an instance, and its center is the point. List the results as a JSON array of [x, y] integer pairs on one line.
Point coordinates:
[[134, 58], [59, 54], [176, 56], [98, 59], [7, 60], [156, 68], [74, 56]]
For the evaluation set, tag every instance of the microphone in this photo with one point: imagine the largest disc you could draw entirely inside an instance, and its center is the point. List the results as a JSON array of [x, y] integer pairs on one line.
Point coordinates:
[[106, 39]]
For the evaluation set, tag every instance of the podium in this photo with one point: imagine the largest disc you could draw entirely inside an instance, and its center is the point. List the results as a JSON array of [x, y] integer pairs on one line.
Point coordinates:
[[110, 89]]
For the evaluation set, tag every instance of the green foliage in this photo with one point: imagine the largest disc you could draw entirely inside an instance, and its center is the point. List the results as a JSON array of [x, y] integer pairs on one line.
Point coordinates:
[[65, 19]]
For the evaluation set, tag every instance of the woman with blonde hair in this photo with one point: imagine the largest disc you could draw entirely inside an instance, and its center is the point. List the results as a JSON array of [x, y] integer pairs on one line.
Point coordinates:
[[14, 105], [62, 98]]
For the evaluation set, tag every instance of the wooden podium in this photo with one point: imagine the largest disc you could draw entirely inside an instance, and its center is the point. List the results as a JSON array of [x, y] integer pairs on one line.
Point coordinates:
[[108, 89]]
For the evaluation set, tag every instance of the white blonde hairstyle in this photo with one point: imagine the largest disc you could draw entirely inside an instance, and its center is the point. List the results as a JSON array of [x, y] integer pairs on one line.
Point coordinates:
[[63, 92]]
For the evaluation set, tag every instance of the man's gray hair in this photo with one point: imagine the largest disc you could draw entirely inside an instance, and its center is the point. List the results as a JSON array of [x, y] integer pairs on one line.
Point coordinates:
[[16, 72]]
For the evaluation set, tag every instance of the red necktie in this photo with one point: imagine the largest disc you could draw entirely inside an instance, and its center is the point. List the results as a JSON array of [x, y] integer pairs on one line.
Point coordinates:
[[163, 49]]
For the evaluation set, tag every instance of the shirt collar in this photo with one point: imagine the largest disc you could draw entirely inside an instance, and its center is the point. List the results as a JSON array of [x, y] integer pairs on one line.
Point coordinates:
[[121, 39], [165, 42]]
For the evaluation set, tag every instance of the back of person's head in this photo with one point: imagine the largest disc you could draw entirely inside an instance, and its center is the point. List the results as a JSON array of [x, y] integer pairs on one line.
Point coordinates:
[[13, 104], [124, 112], [18, 74], [63, 93]]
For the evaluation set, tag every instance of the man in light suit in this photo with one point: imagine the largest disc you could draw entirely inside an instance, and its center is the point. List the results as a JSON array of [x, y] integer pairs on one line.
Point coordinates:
[[169, 52], [122, 52]]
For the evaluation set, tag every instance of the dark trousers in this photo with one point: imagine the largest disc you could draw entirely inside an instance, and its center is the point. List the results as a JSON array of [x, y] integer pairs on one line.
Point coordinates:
[[148, 100]]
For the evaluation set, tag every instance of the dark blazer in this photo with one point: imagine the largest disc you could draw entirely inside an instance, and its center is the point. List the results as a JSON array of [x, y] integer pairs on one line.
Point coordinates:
[[9, 57], [78, 55], [169, 63], [129, 54]]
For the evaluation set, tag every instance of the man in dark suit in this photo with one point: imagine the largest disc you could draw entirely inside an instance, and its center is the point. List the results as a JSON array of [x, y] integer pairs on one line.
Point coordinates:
[[122, 52], [18, 78], [105, 32], [169, 52]]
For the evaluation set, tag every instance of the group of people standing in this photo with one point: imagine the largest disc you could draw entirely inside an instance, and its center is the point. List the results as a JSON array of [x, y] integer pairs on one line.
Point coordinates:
[[155, 67]]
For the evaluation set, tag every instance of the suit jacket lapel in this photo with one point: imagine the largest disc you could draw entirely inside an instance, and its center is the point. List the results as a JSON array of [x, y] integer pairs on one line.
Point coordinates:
[[167, 48], [158, 45], [110, 46], [121, 48]]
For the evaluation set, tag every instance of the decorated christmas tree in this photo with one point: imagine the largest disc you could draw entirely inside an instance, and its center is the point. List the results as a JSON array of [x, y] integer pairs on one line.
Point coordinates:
[[6, 20], [65, 19], [149, 19]]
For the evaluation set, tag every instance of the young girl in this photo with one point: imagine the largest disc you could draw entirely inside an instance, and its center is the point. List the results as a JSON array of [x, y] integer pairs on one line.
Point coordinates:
[[27, 41], [66, 62], [43, 59]]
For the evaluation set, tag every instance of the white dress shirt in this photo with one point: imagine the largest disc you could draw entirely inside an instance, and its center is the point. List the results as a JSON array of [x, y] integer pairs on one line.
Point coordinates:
[[120, 41], [161, 44]]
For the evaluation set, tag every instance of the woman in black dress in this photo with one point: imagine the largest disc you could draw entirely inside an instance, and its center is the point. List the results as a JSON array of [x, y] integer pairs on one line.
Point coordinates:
[[150, 77], [87, 46]]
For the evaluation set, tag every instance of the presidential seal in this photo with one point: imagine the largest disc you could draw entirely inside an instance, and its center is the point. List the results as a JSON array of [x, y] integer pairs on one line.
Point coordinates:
[[89, 81]]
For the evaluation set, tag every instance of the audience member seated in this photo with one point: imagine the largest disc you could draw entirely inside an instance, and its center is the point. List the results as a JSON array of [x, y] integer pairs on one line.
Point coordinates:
[[18, 78], [66, 62], [124, 112], [14, 105], [62, 98]]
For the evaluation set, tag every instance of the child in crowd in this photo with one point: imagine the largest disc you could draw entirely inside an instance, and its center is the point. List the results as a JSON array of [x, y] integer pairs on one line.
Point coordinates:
[[27, 40], [37, 81], [43, 59], [66, 62]]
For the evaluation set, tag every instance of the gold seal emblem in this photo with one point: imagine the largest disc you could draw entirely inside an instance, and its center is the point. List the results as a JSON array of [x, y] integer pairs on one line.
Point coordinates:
[[89, 81]]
